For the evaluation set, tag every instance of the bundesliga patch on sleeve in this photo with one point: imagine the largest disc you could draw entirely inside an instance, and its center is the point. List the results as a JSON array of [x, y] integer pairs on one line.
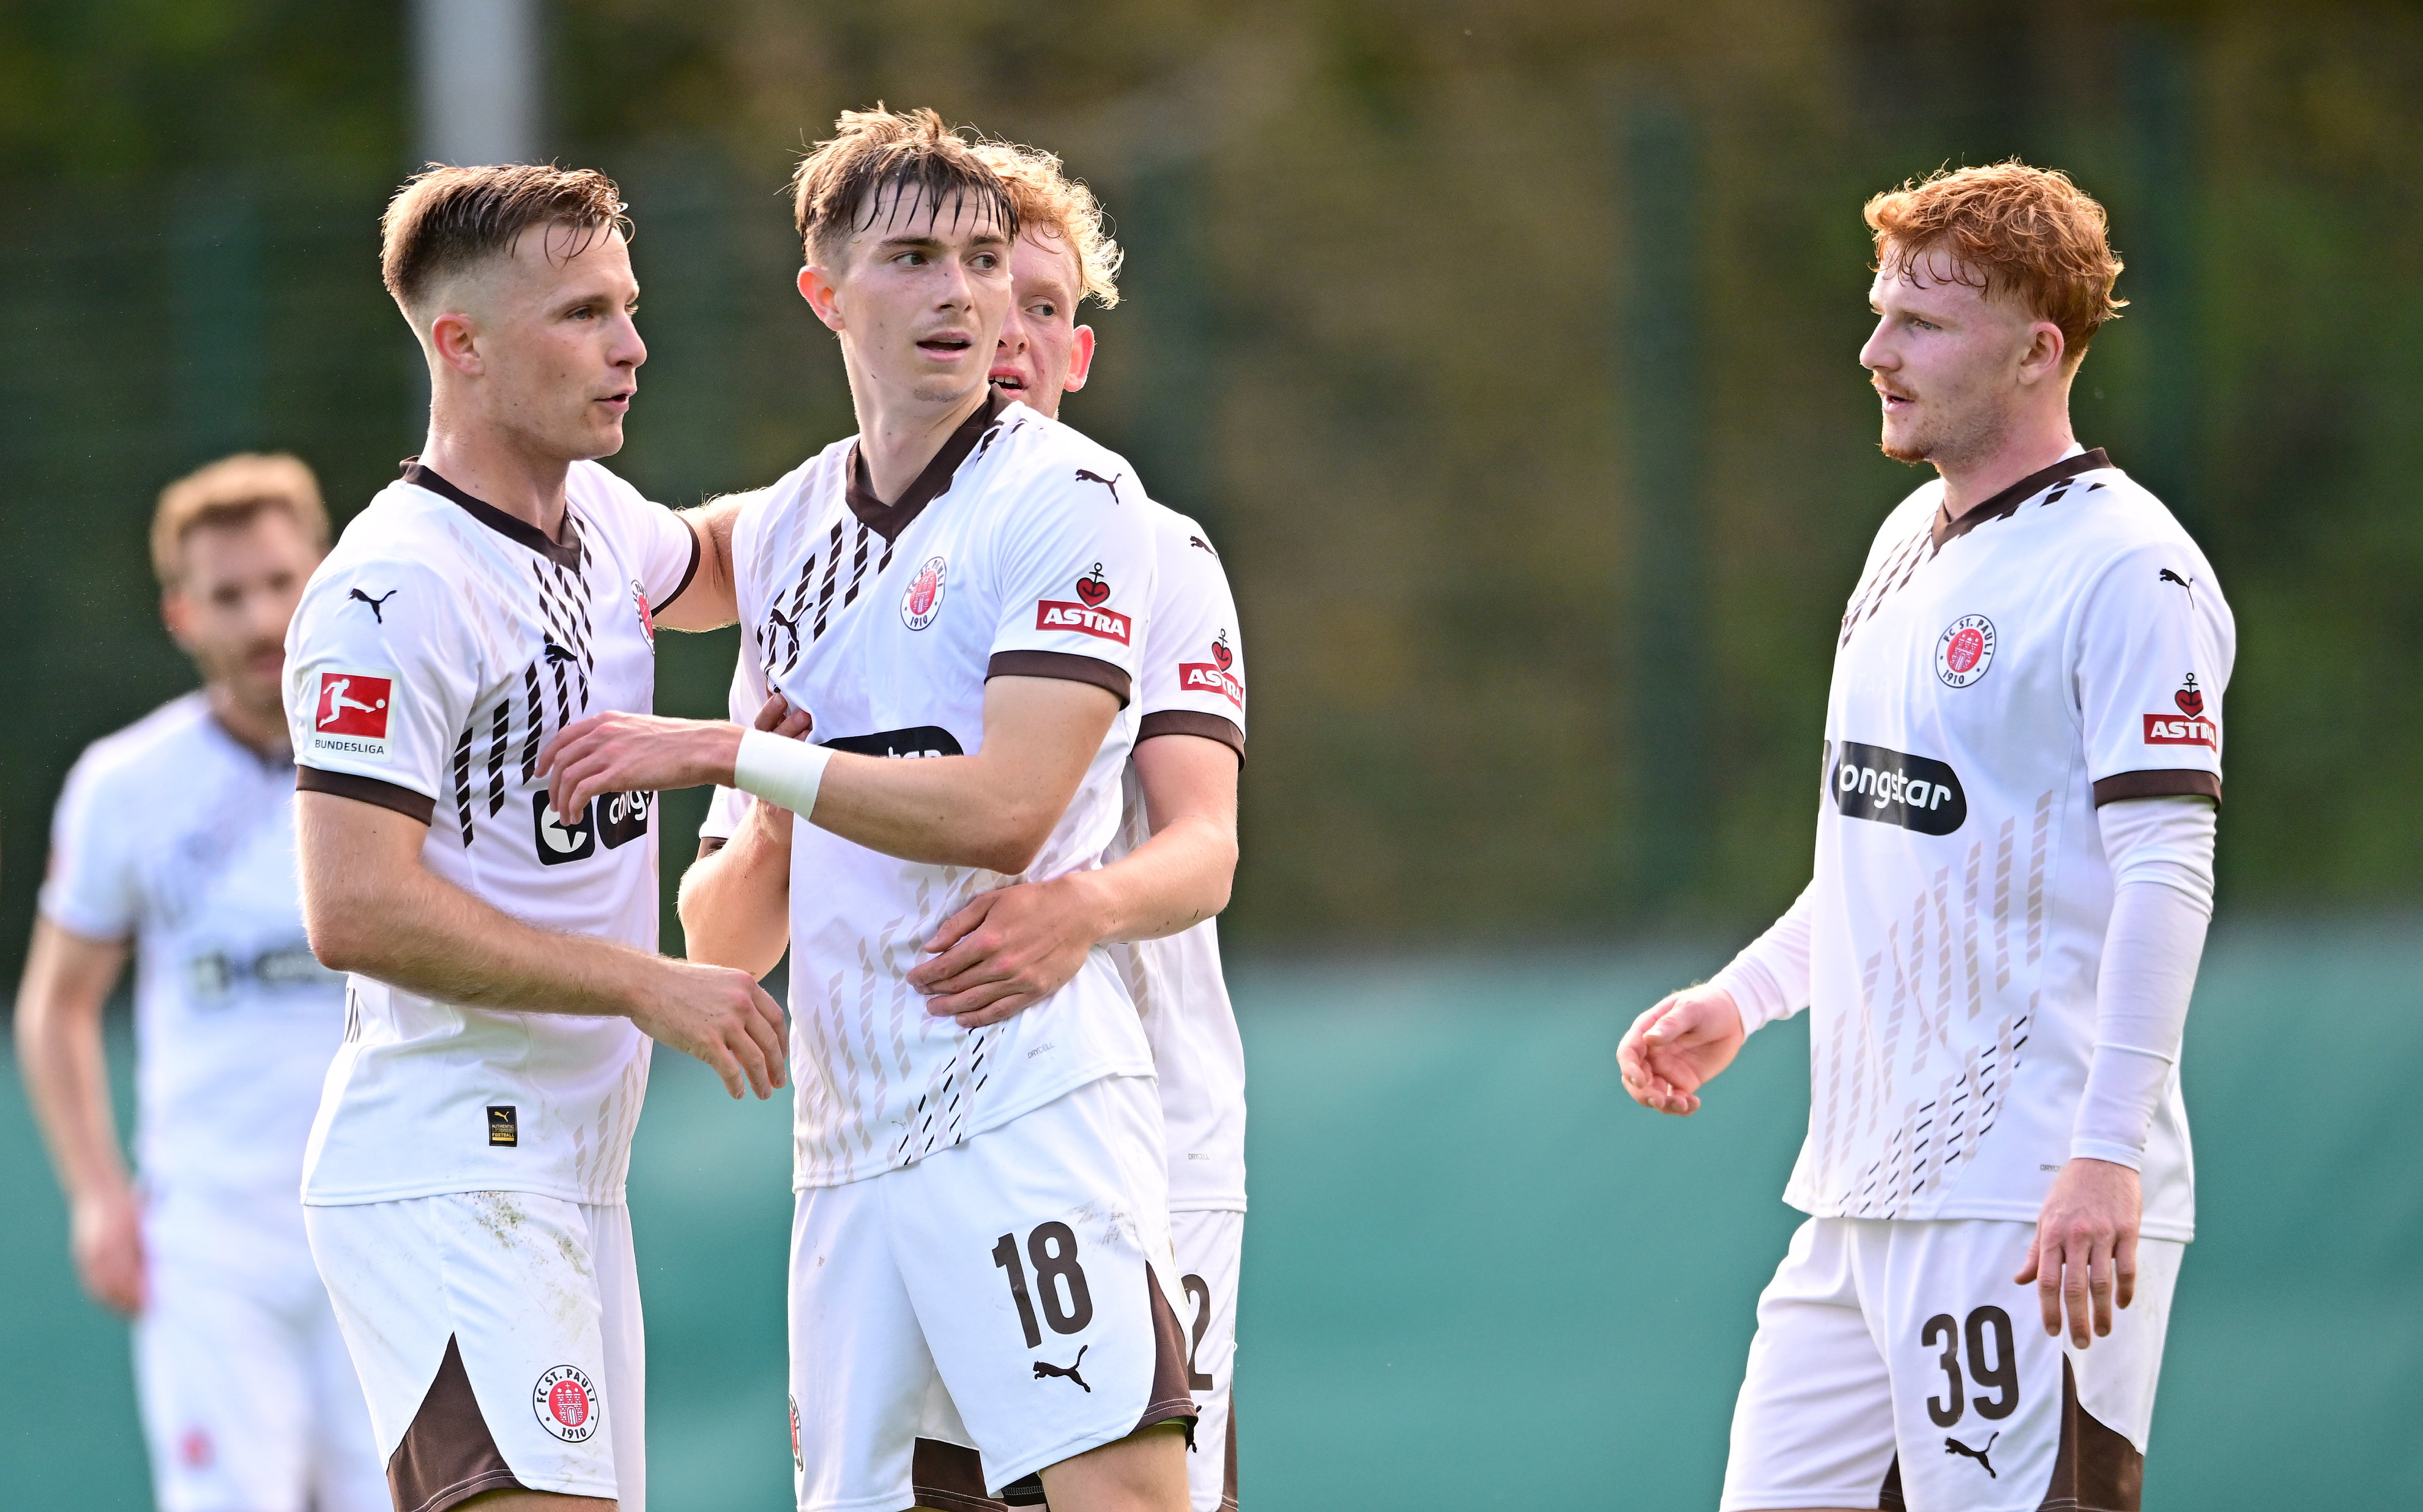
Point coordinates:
[[351, 719]]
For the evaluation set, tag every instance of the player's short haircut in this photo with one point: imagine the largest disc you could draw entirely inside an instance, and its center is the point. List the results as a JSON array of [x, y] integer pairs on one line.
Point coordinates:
[[887, 166], [2027, 232], [1057, 208], [449, 218], [231, 491]]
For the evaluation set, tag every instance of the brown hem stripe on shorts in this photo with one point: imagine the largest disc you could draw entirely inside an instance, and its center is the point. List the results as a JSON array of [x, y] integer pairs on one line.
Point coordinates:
[[1228, 1450], [950, 1477], [2096, 1469], [448, 1456]]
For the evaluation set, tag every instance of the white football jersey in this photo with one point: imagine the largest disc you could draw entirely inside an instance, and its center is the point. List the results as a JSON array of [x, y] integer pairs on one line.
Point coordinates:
[[1024, 550], [176, 835], [2062, 646], [436, 650], [1193, 684]]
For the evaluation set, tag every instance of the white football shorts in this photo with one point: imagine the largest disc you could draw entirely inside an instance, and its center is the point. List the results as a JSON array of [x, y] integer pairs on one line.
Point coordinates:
[[1209, 1243], [497, 1338], [1897, 1365], [248, 1398], [1006, 1296]]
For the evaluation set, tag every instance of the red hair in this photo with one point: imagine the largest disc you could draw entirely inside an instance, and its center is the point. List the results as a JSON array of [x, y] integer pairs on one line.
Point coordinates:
[[2026, 232]]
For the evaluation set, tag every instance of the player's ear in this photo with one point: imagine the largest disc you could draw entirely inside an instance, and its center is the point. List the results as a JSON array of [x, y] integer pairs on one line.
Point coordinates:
[[1080, 359], [2046, 348], [454, 340], [177, 614], [816, 287]]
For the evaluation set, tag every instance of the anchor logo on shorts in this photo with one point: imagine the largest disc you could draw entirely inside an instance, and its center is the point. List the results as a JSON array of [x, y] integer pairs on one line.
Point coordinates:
[[1954, 1446], [1044, 1369]]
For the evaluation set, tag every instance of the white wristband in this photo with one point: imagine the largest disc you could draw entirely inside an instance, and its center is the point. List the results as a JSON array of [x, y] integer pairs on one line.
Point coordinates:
[[785, 773]]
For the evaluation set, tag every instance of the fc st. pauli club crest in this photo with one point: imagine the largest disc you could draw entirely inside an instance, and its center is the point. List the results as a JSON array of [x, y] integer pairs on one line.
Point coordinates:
[[923, 599], [1964, 650], [565, 1401], [647, 616]]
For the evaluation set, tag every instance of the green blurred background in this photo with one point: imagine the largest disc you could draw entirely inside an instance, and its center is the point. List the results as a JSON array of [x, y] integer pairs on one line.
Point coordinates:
[[1507, 351]]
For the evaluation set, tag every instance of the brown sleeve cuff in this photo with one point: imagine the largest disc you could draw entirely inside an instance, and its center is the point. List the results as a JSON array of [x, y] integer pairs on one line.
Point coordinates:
[[365, 790], [696, 547], [2173, 782], [1062, 665], [1192, 721]]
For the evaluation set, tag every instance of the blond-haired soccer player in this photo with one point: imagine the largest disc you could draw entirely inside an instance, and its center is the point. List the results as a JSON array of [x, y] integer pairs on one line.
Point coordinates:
[[1151, 904], [175, 840], [465, 1180], [955, 598], [2014, 871]]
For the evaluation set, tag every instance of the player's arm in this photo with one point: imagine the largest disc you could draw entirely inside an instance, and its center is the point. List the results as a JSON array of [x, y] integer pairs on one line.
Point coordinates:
[[1017, 946], [736, 897], [1680, 1045], [709, 601], [372, 907], [67, 979]]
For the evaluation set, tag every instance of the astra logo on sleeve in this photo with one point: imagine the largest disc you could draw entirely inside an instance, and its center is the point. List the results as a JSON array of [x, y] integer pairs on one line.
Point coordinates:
[[1912, 792], [1213, 676], [350, 715], [1102, 624], [2189, 726]]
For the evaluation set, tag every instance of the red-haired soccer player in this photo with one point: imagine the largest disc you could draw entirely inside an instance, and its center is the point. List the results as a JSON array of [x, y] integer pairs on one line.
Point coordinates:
[[2014, 871]]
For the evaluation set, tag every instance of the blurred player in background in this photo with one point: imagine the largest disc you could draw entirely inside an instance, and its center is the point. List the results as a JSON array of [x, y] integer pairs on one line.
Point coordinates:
[[2014, 873], [1169, 871], [464, 1187], [980, 1249], [175, 839]]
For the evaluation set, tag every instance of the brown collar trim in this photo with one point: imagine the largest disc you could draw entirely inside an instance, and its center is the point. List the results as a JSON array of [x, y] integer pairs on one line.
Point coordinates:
[[2006, 503], [564, 553], [888, 520]]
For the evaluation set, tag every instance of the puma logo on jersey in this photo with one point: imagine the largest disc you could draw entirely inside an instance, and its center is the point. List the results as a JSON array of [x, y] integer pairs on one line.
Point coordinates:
[[1112, 483], [1044, 1370], [2168, 576], [1954, 1446], [378, 609], [1200, 544], [558, 653]]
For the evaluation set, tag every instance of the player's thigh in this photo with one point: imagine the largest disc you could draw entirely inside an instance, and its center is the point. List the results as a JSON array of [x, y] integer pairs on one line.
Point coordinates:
[[476, 1326], [870, 1424], [225, 1386], [347, 1475], [1210, 1246], [1991, 1412], [1814, 1424], [1038, 1258]]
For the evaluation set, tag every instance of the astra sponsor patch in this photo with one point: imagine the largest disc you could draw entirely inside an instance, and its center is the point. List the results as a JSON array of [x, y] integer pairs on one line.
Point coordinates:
[[1912, 793], [1208, 677], [350, 716], [1964, 650], [565, 1401], [1093, 588], [1102, 624], [2173, 729], [2190, 697]]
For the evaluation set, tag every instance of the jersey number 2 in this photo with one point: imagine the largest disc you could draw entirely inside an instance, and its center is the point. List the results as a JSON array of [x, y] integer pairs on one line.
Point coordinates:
[[1067, 1306], [2002, 1374]]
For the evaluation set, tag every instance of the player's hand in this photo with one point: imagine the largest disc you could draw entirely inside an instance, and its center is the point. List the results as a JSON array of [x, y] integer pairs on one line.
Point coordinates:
[[1677, 1048], [106, 1235], [619, 752], [777, 717], [718, 1015], [2084, 1255], [1006, 951]]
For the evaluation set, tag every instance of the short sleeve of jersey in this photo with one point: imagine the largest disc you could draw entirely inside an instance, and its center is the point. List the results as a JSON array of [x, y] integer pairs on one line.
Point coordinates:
[[729, 805], [91, 889], [1193, 664], [380, 696], [661, 541], [1075, 568], [2153, 660]]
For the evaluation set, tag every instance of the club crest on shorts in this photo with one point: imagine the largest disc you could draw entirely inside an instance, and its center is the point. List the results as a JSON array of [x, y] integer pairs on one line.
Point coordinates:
[[1964, 650], [566, 1404], [795, 1462], [924, 598]]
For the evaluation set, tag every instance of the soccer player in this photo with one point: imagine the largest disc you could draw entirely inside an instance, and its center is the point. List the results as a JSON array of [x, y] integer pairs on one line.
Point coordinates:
[[464, 1186], [980, 1249], [1169, 871], [2014, 871], [175, 838]]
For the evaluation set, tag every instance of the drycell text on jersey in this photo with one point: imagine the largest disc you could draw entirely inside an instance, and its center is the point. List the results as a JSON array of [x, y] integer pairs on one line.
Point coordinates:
[[1102, 624], [1912, 792], [2169, 729]]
